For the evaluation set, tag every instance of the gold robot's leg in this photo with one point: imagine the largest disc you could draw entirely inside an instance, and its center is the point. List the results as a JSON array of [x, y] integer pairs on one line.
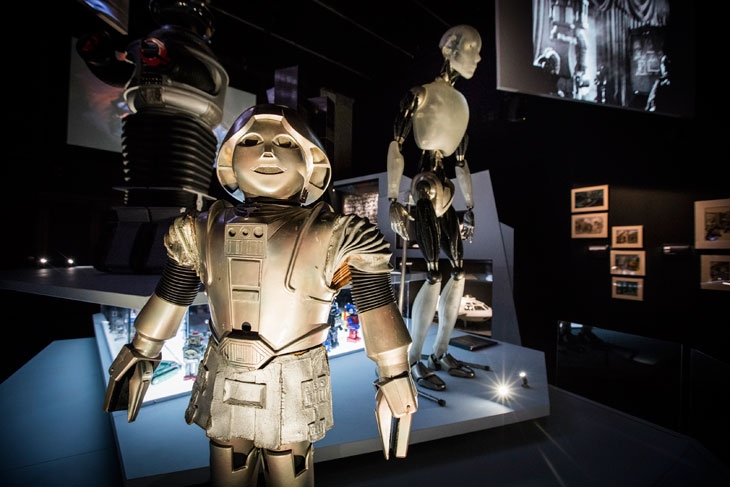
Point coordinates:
[[234, 463], [291, 466]]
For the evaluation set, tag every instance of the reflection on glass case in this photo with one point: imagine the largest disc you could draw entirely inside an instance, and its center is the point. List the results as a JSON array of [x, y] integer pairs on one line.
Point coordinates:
[[180, 355]]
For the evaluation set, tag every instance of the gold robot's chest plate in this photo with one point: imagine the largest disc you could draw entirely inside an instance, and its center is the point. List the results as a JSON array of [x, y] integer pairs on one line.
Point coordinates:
[[261, 277], [440, 121]]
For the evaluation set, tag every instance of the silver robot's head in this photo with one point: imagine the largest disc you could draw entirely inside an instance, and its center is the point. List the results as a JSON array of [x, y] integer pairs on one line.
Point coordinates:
[[269, 151], [460, 45]]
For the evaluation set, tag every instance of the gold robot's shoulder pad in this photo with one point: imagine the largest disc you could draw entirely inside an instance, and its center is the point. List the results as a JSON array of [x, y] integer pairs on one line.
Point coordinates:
[[358, 243], [180, 242]]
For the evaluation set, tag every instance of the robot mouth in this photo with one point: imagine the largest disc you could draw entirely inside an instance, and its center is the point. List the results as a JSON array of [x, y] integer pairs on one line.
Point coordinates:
[[268, 169]]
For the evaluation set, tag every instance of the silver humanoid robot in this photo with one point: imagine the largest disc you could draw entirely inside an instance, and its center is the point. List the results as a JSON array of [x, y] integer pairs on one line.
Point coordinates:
[[271, 267], [438, 114]]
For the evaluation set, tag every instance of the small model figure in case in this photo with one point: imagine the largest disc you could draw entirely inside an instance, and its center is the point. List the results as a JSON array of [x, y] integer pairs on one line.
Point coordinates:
[[439, 115], [272, 267], [353, 323]]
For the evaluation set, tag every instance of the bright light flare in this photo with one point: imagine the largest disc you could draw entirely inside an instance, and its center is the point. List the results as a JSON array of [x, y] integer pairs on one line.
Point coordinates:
[[503, 391], [70, 261], [43, 260]]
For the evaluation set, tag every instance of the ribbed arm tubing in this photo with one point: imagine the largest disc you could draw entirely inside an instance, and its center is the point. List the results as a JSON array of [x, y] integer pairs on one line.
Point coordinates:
[[179, 285], [370, 291]]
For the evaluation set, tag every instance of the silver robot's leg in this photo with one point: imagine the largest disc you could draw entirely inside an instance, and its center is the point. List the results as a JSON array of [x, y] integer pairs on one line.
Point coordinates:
[[291, 466], [424, 309], [234, 463], [448, 312]]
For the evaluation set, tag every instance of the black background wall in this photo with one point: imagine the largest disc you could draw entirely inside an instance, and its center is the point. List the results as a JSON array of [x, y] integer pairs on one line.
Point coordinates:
[[54, 195]]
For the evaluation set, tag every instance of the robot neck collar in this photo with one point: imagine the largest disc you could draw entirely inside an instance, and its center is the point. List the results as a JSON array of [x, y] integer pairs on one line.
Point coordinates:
[[448, 74]]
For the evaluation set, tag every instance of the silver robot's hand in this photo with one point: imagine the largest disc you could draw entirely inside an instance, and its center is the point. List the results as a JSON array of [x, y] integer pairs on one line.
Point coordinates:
[[468, 228], [395, 403], [399, 219], [129, 377]]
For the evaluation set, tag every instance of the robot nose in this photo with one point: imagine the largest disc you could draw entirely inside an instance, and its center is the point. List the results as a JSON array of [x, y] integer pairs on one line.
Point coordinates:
[[268, 154]]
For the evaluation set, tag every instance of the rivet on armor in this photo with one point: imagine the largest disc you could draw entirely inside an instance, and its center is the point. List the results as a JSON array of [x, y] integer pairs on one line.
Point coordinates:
[[258, 232]]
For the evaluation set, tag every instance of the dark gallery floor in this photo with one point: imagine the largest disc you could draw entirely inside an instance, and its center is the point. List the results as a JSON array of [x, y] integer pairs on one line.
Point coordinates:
[[54, 433]]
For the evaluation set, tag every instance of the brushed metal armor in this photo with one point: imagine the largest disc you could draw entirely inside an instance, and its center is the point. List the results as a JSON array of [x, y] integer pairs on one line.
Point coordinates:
[[266, 247], [440, 121], [286, 401]]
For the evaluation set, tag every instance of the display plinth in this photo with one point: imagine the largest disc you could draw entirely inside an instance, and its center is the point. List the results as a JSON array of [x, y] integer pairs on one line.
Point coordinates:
[[84, 283], [159, 444]]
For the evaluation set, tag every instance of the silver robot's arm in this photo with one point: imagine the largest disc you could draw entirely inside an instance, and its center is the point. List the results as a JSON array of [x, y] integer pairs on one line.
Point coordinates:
[[401, 128], [387, 342], [463, 177]]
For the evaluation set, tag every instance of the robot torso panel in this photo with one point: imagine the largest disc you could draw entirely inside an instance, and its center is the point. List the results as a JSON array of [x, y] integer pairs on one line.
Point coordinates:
[[440, 121]]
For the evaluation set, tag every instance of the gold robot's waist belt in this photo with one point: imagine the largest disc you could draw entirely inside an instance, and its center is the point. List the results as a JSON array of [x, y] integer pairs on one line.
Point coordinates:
[[247, 352]]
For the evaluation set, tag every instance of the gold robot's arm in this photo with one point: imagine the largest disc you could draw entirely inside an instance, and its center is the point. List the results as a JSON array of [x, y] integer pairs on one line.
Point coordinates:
[[387, 343], [131, 372]]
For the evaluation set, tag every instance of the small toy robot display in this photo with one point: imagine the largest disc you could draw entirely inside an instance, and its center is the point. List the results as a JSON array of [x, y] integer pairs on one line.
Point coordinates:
[[271, 268], [353, 323], [438, 114], [335, 323]]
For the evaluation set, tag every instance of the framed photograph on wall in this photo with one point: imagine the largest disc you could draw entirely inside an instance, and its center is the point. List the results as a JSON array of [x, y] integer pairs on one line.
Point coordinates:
[[627, 237], [628, 262], [627, 288], [590, 198], [589, 225], [715, 272], [712, 224]]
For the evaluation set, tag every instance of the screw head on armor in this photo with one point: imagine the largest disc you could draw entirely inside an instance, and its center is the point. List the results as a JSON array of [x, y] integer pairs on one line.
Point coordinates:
[[269, 151], [460, 45]]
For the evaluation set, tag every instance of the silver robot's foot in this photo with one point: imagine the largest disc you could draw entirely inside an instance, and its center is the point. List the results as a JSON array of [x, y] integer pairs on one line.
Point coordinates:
[[425, 377], [453, 366]]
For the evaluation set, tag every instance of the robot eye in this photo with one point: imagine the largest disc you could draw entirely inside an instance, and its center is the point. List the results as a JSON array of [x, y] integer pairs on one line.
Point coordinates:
[[251, 140], [285, 142]]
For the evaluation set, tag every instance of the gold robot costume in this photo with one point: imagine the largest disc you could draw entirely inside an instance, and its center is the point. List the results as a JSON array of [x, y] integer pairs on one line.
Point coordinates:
[[271, 269]]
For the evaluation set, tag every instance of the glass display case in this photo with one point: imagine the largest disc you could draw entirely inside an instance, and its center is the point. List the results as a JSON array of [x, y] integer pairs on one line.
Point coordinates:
[[180, 355]]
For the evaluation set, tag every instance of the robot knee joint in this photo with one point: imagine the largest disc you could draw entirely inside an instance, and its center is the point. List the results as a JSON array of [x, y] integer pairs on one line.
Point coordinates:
[[434, 277], [457, 273]]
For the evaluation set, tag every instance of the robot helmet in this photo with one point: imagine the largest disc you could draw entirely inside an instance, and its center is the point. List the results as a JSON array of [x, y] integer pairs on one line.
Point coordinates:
[[460, 45], [269, 151]]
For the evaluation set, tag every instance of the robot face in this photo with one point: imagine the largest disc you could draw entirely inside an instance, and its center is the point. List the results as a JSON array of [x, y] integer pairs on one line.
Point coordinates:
[[267, 161], [460, 45], [269, 151]]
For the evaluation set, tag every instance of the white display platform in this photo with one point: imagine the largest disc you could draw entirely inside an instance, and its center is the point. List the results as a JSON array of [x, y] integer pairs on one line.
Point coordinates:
[[84, 283], [159, 442]]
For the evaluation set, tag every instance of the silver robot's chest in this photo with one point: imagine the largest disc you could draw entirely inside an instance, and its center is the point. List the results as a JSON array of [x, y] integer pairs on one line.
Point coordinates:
[[263, 289], [441, 120]]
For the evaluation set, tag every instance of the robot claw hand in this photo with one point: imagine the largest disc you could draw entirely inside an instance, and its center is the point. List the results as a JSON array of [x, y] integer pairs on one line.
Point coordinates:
[[400, 219], [395, 403], [129, 377]]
